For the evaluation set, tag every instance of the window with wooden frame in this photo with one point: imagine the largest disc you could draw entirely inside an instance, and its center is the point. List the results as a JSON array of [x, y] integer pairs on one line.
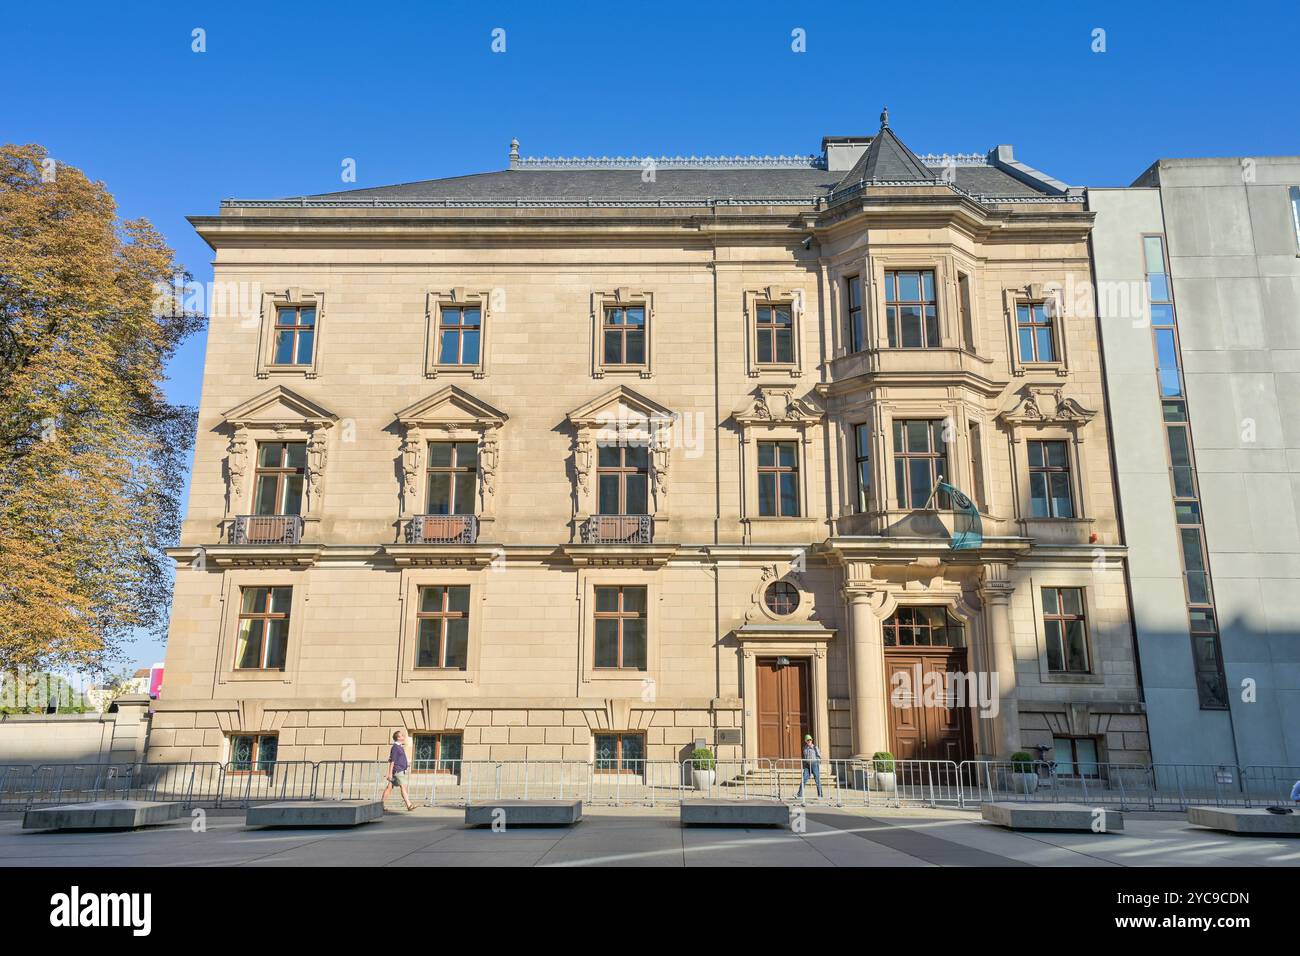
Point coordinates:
[[862, 465], [778, 479], [437, 753], [623, 479], [442, 623], [278, 480], [911, 310], [967, 311], [252, 753], [295, 335], [774, 333], [1035, 333], [920, 460], [1065, 631], [459, 335], [620, 628], [451, 478], [856, 329], [1050, 493], [263, 639], [923, 627], [620, 753], [977, 464], [623, 336]]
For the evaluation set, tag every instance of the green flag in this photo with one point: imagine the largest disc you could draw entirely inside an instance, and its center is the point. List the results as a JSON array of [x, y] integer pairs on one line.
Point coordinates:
[[967, 532]]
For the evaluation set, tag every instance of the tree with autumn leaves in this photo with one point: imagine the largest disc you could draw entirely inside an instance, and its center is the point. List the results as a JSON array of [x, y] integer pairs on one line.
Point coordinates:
[[92, 455]]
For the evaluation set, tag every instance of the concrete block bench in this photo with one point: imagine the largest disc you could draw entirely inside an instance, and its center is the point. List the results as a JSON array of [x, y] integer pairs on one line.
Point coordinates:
[[314, 813], [102, 815], [734, 813], [1053, 816], [524, 813], [1253, 821]]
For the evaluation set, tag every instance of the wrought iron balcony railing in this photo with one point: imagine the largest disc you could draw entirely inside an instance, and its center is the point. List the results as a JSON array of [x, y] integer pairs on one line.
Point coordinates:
[[442, 529], [618, 529], [266, 529]]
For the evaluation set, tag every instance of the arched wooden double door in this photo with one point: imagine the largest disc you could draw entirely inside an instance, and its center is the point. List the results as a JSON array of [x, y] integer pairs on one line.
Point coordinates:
[[928, 718]]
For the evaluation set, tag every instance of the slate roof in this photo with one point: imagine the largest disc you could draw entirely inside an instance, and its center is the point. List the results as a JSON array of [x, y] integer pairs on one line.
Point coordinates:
[[887, 160]]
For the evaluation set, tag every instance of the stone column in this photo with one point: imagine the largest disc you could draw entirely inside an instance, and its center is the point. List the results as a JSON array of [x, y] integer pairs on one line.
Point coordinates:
[[867, 669], [995, 594]]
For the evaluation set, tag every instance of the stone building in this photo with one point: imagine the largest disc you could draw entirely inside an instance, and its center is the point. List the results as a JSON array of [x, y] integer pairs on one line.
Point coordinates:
[[598, 459], [1198, 274]]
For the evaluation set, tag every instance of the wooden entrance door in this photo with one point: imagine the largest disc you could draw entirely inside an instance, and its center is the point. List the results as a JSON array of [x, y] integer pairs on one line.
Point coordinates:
[[923, 724], [784, 707]]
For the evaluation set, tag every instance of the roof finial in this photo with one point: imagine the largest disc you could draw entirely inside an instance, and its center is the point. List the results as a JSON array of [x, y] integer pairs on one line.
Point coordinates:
[[514, 151], [884, 117]]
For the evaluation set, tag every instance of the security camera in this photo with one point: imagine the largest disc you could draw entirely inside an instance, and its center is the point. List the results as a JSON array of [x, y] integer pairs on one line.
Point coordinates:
[[807, 242]]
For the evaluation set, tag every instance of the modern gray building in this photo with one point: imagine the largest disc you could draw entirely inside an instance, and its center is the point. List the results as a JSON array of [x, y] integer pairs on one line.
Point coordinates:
[[1197, 266]]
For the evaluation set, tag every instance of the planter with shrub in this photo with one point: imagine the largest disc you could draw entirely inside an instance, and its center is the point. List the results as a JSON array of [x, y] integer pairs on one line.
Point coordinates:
[[1024, 773], [703, 768], [883, 767]]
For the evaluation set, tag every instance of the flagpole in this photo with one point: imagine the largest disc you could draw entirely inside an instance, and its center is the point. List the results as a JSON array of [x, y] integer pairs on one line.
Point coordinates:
[[933, 490]]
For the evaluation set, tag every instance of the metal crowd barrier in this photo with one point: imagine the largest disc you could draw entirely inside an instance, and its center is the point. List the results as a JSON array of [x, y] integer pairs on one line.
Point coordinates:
[[844, 782]]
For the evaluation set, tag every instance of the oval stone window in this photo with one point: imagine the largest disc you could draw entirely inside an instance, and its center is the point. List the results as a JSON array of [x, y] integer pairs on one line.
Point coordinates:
[[782, 598]]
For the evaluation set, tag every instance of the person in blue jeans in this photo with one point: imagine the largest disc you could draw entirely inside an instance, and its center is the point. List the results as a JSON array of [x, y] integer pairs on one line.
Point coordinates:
[[812, 765]]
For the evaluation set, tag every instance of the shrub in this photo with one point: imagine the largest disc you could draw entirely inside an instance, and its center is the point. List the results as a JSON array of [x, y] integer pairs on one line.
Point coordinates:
[[1022, 762], [702, 759], [883, 761]]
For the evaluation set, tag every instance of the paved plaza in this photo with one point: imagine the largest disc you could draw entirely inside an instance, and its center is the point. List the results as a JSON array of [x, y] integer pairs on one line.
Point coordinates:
[[623, 836]]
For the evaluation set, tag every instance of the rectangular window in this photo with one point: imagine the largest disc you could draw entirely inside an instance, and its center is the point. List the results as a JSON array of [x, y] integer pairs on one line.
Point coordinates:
[[263, 628], [778, 479], [623, 479], [1050, 495], [1153, 249], [281, 468], [774, 334], [1034, 329], [911, 311], [1211, 685], [920, 460], [1075, 756], [451, 476], [857, 331], [977, 464], [1295, 213], [295, 334], [437, 753], [620, 626], [620, 753], [862, 454], [1066, 631], [623, 333], [459, 332], [967, 316], [443, 622], [253, 753]]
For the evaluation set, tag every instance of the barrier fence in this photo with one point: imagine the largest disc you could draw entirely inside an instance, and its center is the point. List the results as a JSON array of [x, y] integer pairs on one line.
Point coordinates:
[[848, 783]]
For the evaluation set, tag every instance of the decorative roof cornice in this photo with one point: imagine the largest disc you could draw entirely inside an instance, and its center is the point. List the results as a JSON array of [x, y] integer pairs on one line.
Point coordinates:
[[666, 162]]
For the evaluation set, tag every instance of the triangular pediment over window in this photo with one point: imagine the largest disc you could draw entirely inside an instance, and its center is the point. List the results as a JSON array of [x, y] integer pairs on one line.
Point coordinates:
[[451, 406], [621, 404], [279, 406]]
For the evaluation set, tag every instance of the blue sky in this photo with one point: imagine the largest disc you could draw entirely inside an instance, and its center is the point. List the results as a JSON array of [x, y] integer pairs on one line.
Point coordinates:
[[413, 91]]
